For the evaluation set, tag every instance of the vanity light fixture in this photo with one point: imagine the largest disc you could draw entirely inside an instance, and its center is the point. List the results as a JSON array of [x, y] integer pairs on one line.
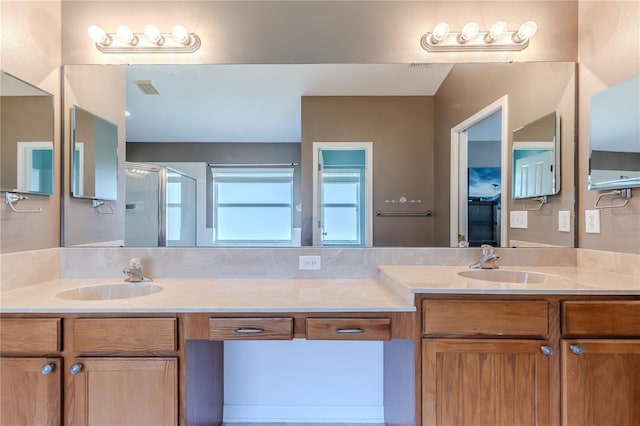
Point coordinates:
[[471, 39], [152, 40]]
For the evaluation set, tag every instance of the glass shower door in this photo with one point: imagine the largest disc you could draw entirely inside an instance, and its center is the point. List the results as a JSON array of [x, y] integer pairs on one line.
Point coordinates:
[[142, 206]]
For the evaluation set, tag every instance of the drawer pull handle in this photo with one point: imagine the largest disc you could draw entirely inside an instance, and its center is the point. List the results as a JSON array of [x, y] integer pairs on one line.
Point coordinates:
[[47, 369], [249, 330], [576, 349], [546, 350], [75, 368], [350, 330]]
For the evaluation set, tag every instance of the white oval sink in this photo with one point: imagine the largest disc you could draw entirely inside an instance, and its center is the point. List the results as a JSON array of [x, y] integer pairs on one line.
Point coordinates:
[[498, 275], [110, 291]]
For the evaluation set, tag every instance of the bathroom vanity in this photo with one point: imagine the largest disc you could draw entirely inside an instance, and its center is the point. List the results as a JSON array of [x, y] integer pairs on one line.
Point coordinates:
[[562, 346]]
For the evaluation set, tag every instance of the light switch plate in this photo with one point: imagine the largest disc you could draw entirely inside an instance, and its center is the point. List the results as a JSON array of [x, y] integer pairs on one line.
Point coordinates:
[[564, 221], [518, 219], [592, 221]]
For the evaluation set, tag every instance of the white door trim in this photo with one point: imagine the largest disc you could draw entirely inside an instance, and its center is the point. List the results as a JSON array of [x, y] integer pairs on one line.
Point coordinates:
[[459, 167], [368, 217]]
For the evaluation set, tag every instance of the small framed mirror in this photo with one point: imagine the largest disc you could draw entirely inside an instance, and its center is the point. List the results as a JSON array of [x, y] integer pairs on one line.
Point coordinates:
[[614, 137], [26, 132], [536, 158], [94, 156]]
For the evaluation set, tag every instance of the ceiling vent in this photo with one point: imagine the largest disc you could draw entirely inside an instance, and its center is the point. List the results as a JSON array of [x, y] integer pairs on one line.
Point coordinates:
[[147, 87]]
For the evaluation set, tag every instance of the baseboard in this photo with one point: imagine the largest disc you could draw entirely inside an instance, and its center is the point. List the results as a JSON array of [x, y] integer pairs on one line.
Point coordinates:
[[304, 414]]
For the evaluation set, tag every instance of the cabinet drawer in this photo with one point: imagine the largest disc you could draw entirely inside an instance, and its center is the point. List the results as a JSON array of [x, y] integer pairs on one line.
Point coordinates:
[[348, 328], [610, 318], [250, 328], [130, 335], [491, 318], [30, 335]]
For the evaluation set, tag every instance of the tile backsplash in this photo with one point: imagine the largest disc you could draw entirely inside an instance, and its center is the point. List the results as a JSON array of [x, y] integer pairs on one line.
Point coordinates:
[[20, 269], [283, 262]]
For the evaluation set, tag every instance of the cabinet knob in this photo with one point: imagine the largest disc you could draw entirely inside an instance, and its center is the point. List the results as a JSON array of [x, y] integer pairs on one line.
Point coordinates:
[[576, 349], [546, 350], [47, 369], [75, 368]]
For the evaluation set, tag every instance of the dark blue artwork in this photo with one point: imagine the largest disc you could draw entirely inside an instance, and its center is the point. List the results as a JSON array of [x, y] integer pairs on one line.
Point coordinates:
[[484, 183]]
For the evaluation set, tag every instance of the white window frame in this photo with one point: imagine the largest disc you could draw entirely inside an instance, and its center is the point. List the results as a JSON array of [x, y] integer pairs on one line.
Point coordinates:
[[368, 203], [357, 205], [254, 242]]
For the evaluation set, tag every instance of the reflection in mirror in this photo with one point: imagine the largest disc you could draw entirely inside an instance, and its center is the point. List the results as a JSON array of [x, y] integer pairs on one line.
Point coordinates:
[[94, 159], [160, 207], [26, 125], [260, 114], [614, 137], [536, 158]]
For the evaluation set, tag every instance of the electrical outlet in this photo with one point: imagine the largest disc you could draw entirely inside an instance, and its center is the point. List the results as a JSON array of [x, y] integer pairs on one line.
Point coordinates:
[[564, 221], [518, 219], [592, 221], [309, 262]]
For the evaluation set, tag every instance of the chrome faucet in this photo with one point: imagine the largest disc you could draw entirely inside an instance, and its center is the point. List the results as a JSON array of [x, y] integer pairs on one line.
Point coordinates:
[[488, 259], [134, 271]]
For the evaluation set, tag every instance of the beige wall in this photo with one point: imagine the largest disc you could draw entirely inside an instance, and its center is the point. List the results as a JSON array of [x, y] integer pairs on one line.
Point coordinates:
[[317, 31], [100, 90], [533, 90], [30, 49], [401, 129], [609, 53]]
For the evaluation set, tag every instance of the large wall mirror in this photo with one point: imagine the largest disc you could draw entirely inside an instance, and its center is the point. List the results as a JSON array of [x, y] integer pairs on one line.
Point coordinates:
[[94, 158], [210, 121], [26, 123], [614, 137]]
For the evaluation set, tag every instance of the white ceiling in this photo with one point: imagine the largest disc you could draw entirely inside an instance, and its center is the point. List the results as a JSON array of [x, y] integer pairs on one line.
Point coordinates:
[[255, 103]]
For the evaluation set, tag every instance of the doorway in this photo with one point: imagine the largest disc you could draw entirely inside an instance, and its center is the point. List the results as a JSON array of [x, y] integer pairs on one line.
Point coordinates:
[[342, 194], [479, 178]]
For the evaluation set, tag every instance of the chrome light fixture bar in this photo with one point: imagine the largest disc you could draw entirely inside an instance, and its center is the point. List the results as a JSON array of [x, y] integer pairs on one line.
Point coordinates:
[[470, 39], [124, 40]]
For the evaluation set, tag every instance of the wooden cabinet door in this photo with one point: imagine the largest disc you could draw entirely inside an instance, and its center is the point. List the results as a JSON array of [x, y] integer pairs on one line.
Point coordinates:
[[485, 382], [31, 391], [124, 392], [601, 382]]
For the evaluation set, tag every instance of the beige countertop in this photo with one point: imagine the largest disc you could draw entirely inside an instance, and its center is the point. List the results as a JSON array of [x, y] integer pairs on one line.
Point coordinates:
[[216, 295], [394, 292], [569, 280]]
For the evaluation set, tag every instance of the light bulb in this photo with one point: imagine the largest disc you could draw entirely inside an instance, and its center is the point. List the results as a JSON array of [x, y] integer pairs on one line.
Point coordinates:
[[469, 31], [526, 31], [181, 35], [496, 31], [98, 35], [440, 32], [125, 35], [152, 33]]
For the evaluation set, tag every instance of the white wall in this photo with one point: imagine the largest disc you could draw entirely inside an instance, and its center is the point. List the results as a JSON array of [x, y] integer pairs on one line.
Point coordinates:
[[303, 381]]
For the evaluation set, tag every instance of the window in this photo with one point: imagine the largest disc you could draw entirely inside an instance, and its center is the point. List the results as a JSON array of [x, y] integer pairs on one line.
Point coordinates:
[[252, 206]]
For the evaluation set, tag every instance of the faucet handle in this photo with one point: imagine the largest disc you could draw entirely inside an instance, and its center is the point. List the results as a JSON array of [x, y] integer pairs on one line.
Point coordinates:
[[487, 249], [135, 263]]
